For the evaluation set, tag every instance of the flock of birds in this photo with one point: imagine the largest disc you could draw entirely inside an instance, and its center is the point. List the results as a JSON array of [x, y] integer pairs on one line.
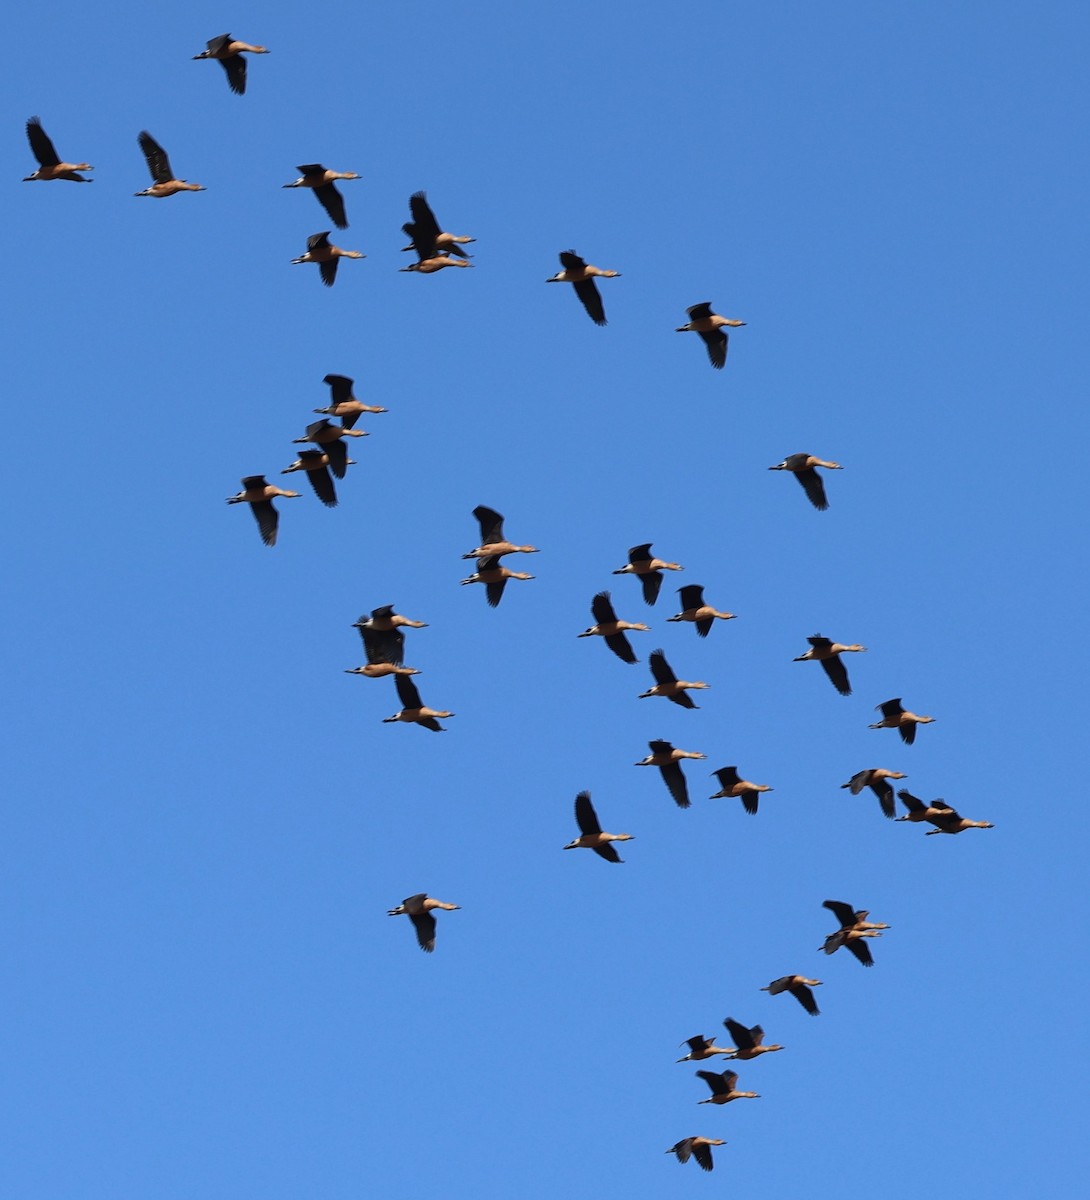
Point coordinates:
[[382, 630]]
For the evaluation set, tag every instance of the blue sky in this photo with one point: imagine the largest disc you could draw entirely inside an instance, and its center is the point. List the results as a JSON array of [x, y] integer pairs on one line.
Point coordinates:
[[206, 819]]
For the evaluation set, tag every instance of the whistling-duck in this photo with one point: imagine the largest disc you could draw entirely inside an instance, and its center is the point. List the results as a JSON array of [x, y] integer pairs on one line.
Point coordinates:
[[699, 1148], [875, 778], [386, 618], [419, 909], [591, 836], [694, 609], [854, 927], [493, 544], [327, 435], [258, 494], [648, 569], [667, 683], [494, 576], [581, 276], [384, 650], [938, 813], [802, 467], [895, 716], [723, 1090], [321, 251], [607, 626], [49, 163], [799, 987], [228, 53], [733, 785], [344, 404], [749, 1042], [701, 1048], [426, 235], [163, 181], [412, 710], [316, 465], [851, 918], [711, 328], [828, 654], [667, 759], [433, 263], [320, 180]]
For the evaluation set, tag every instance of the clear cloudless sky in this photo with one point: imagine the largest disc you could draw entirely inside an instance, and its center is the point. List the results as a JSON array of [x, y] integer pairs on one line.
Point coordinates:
[[205, 819]]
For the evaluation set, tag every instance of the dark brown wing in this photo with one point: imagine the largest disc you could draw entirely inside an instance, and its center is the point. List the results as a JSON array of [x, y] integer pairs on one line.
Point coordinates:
[[716, 342], [491, 523], [585, 816], [494, 592], [427, 227], [806, 998], [640, 553], [891, 708], [620, 645], [912, 803], [692, 596], [675, 781], [217, 44], [608, 853], [337, 453], [699, 312], [858, 782], [683, 699], [843, 912], [430, 723], [740, 1035], [750, 801], [703, 626], [383, 645], [908, 732], [156, 158], [703, 1155], [728, 777], [837, 673], [318, 241], [813, 487], [340, 387], [571, 261], [328, 271], [267, 520], [683, 1149], [601, 609], [40, 144], [589, 297], [235, 66], [424, 924], [407, 692], [859, 947], [660, 668], [720, 1085], [652, 585], [333, 202], [322, 483], [883, 789]]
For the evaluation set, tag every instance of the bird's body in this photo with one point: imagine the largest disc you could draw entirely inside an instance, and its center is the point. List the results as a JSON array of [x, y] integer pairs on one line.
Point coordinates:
[[384, 650], [668, 760], [329, 436], [227, 51], [493, 543], [321, 182], [799, 987], [896, 716], [419, 910], [648, 569], [748, 1042], [876, 778], [591, 836], [321, 251], [712, 329], [698, 1148], [494, 576], [413, 711], [258, 493], [701, 1048], [385, 618], [667, 683], [50, 165], [164, 183], [428, 240], [581, 275], [731, 784], [694, 609], [316, 465], [938, 813], [613, 630], [802, 467], [343, 404], [723, 1089], [828, 654]]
